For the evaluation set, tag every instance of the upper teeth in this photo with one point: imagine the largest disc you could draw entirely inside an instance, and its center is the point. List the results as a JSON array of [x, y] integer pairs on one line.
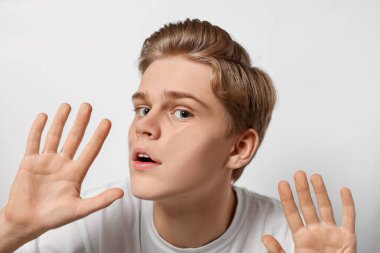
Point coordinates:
[[143, 155]]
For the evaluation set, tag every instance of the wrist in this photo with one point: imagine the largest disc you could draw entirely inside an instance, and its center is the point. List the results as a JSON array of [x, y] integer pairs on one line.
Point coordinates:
[[12, 236]]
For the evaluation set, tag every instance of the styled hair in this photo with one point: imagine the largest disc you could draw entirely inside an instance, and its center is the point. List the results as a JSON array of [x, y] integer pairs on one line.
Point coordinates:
[[246, 92]]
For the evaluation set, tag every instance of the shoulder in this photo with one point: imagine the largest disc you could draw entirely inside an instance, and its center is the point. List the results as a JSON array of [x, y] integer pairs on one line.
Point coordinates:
[[127, 205], [264, 215], [116, 226], [260, 201], [264, 210], [121, 215]]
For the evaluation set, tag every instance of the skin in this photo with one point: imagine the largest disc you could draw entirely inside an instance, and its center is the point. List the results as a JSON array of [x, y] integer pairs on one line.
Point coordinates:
[[315, 235], [47, 185], [193, 199]]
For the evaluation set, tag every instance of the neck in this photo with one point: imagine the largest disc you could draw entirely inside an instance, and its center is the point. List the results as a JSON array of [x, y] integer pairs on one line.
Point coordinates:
[[196, 219]]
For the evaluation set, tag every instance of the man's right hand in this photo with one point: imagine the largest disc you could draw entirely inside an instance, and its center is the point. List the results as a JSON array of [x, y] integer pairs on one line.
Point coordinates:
[[46, 191]]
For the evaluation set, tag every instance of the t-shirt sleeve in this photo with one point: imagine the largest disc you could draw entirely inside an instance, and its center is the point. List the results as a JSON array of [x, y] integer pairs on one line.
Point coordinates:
[[267, 215], [60, 240], [115, 228]]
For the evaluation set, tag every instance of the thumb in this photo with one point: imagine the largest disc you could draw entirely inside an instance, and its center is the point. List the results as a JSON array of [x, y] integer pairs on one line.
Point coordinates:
[[271, 244], [93, 204]]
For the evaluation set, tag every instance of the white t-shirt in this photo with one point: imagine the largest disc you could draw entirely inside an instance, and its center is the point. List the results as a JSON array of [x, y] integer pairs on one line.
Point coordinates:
[[127, 226]]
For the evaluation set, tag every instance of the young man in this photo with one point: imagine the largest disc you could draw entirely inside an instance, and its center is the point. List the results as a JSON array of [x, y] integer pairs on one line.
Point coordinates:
[[201, 113]]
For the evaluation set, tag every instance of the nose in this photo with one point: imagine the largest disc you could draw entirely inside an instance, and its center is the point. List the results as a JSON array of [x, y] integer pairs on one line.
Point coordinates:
[[148, 126]]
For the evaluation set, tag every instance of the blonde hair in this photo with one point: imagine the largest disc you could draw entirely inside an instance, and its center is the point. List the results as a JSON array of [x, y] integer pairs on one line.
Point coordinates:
[[246, 92]]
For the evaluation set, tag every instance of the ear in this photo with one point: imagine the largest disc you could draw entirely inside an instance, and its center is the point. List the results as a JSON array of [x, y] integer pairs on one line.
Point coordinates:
[[244, 149]]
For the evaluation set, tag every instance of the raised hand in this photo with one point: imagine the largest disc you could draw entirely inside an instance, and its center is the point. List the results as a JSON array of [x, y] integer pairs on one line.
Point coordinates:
[[46, 191], [322, 236]]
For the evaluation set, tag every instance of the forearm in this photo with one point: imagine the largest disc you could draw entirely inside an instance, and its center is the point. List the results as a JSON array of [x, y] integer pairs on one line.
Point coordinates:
[[11, 236]]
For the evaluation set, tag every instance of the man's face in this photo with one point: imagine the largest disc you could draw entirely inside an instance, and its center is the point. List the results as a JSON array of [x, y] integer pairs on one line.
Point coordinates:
[[180, 124]]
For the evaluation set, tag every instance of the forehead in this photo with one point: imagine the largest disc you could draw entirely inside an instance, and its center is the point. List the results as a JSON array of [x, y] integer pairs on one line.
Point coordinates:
[[180, 74]]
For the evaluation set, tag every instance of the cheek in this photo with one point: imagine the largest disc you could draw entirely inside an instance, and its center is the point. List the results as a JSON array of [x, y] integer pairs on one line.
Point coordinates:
[[131, 134], [194, 152]]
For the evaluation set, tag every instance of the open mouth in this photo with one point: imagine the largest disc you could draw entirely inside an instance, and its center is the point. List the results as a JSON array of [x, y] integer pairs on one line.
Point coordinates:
[[145, 159], [140, 157]]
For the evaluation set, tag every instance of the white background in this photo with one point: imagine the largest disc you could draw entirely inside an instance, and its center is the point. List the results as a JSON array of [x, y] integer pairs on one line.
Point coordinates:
[[324, 57]]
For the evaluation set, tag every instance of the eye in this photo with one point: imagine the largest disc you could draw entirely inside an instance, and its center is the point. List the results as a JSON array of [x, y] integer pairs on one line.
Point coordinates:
[[182, 114], [142, 111]]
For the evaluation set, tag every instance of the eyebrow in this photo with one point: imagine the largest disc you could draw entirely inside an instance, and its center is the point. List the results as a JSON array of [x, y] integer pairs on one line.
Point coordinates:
[[170, 94]]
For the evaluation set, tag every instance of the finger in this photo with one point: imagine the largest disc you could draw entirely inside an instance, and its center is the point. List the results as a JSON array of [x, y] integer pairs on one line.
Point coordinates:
[[77, 132], [34, 137], [271, 244], [55, 132], [348, 209], [306, 203], [324, 203], [104, 199], [92, 149], [290, 209]]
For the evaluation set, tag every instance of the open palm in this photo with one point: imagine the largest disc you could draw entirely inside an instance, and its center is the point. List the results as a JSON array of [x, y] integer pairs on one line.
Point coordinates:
[[46, 191], [315, 235]]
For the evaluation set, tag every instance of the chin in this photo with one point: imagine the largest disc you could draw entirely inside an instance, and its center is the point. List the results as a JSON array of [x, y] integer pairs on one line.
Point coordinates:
[[145, 188], [154, 189]]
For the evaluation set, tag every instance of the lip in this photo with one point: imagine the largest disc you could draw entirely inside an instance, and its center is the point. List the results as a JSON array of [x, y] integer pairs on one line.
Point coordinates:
[[138, 165]]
